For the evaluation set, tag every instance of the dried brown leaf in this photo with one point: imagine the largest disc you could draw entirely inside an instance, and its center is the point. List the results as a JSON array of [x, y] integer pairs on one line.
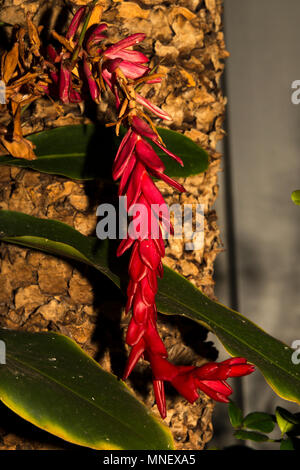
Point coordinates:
[[96, 15], [63, 41], [177, 10], [132, 10], [9, 63], [33, 36], [21, 148]]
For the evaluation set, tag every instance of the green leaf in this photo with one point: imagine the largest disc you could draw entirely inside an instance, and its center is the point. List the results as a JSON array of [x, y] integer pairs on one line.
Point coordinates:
[[176, 296], [259, 421], [49, 381], [195, 159], [296, 197], [235, 414], [287, 444], [286, 420], [87, 152], [251, 436]]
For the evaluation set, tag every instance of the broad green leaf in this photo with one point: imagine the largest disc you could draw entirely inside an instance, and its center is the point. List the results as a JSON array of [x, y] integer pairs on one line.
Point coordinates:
[[286, 420], [235, 414], [251, 436], [87, 152], [259, 421], [49, 381], [296, 197], [176, 296], [287, 444]]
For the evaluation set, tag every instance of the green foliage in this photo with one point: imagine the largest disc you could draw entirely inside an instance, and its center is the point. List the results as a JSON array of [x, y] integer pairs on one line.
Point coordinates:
[[251, 436], [288, 425], [259, 421], [87, 152], [286, 444], [296, 197], [176, 296], [235, 415], [49, 381], [285, 420]]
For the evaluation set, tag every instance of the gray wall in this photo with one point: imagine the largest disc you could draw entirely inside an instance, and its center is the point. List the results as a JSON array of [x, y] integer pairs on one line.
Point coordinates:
[[263, 156]]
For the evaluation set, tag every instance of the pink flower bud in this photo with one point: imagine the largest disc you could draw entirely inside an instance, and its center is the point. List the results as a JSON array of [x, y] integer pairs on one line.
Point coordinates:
[[153, 108], [94, 35], [93, 87], [124, 43], [75, 23]]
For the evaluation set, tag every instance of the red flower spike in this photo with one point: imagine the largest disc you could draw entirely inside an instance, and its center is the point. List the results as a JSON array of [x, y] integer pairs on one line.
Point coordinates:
[[136, 161]]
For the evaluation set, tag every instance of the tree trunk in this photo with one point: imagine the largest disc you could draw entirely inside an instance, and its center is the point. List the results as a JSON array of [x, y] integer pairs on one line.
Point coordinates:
[[42, 292]]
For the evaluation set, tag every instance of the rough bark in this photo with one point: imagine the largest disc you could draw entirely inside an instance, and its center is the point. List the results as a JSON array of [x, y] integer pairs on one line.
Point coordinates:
[[42, 292]]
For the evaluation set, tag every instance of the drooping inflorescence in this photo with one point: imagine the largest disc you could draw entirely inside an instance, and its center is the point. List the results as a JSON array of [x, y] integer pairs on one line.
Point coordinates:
[[87, 63]]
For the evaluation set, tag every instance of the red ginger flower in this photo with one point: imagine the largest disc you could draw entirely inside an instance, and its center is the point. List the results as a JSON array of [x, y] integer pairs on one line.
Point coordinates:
[[136, 161], [133, 163]]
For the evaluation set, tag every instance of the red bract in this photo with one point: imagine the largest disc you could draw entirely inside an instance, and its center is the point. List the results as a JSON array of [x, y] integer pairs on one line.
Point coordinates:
[[93, 87], [120, 50], [77, 18], [95, 35], [67, 93]]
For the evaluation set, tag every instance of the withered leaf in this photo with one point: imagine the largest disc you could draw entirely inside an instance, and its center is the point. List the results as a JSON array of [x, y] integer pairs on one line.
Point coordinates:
[[63, 41], [95, 16], [9, 63], [33, 36], [21, 148]]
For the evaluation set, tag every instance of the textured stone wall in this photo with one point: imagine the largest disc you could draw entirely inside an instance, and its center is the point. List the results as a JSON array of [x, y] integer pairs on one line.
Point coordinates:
[[42, 292]]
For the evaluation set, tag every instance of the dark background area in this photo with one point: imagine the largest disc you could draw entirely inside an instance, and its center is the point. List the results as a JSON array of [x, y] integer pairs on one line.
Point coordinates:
[[259, 271]]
